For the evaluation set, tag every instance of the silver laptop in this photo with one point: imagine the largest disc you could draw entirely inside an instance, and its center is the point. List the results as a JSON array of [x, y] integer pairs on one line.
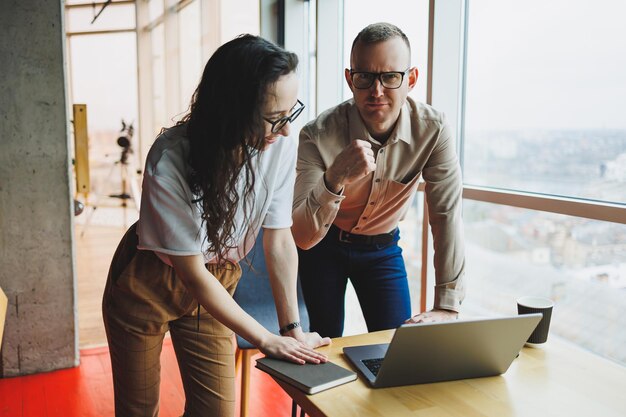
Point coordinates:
[[445, 351]]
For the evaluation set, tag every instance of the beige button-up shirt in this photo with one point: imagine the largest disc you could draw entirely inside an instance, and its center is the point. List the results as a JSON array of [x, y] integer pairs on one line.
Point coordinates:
[[421, 145]]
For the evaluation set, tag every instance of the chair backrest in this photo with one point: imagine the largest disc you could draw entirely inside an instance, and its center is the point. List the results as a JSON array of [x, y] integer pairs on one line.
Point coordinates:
[[254, 294]]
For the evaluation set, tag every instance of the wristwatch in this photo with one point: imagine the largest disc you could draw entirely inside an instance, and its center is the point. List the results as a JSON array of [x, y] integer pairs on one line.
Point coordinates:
[[289, 327]]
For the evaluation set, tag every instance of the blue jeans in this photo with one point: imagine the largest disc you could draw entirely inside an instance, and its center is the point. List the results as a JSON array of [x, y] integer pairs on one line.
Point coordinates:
[[377, 273]]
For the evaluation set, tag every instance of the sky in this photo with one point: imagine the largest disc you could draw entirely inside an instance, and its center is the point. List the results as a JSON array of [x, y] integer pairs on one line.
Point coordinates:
[[546, 64]]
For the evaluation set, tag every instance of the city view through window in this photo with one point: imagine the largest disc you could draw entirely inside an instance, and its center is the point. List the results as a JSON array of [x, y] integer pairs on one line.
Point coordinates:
[[544, 114]]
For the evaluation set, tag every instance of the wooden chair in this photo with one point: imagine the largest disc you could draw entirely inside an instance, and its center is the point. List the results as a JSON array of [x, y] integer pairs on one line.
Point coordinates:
[[254, 295]]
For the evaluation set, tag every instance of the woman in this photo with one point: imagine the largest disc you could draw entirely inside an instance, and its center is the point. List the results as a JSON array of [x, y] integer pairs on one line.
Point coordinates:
[[210, 183]]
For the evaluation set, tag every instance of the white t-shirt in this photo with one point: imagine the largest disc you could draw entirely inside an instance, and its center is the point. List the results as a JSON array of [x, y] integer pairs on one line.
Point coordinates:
[[169, 220]]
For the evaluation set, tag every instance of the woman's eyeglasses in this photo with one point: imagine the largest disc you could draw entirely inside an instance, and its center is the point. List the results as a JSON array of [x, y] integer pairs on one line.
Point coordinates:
[[277, 125]]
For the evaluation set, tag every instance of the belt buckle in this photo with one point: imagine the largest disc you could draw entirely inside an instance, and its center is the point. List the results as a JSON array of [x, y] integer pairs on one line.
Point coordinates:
[[344, 236]]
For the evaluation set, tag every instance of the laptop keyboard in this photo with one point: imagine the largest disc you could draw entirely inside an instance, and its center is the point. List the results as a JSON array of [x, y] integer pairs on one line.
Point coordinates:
[[373, 364]]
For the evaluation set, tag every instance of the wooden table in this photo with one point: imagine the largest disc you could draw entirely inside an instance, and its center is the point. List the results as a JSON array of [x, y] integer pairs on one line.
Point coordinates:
[[559, 379]]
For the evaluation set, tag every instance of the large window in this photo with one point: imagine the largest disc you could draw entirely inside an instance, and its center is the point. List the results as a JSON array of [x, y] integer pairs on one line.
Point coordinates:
[[578, 263], [190, 42], [159, 81], [544, 104], [102, 73], [546, 97]]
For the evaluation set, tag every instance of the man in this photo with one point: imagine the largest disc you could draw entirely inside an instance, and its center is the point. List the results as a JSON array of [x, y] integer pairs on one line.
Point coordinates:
[[357, 172]]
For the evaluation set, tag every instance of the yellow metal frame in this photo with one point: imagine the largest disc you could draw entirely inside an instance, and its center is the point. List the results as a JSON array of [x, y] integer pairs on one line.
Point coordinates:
[[81, 149]]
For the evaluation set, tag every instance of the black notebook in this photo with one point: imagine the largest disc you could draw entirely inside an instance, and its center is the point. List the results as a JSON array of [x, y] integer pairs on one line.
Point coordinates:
[[309, 377]]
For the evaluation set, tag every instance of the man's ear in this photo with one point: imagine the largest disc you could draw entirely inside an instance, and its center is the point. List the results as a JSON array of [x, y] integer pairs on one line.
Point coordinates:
[[413, 74], [348, 79]]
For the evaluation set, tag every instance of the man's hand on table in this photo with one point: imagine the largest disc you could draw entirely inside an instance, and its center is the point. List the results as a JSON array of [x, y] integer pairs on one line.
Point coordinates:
[[432, 316]]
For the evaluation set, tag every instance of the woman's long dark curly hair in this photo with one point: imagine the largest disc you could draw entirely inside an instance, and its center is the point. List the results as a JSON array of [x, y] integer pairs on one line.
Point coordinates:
[[226, 129]]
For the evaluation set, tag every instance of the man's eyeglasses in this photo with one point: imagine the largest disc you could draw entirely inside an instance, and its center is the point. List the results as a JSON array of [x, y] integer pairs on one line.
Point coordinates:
[[277, 125], [364, 80]]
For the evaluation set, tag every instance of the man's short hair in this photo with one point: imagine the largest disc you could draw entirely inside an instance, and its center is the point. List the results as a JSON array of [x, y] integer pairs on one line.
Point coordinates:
[[380, 32]]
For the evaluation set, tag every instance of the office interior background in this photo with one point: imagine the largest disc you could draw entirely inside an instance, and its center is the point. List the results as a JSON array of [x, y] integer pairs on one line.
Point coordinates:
[[535, 92]]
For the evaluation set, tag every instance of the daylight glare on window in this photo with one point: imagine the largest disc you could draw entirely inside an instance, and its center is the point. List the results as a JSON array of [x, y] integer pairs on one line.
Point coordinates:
[[545, 97]]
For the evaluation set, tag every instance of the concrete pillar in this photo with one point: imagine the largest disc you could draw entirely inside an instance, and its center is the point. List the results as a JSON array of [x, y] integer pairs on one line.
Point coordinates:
[[36, 229]]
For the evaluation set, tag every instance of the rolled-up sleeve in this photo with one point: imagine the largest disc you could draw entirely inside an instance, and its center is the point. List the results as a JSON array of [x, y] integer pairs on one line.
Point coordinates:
[[444, 187], [314, 206]]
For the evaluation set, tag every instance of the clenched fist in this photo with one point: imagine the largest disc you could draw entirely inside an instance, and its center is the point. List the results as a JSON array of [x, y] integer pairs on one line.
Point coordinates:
[[353, 163]]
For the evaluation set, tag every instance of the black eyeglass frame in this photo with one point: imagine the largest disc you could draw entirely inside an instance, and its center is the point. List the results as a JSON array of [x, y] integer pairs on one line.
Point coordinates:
[[277, 125], [378, 75]]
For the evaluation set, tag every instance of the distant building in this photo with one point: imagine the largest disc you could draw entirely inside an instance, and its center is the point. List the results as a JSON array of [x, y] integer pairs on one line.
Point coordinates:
[[615, 170], [506, 239]]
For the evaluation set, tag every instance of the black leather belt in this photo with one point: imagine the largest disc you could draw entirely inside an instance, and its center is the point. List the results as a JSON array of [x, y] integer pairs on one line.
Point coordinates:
[[381, 239]]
